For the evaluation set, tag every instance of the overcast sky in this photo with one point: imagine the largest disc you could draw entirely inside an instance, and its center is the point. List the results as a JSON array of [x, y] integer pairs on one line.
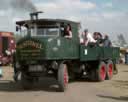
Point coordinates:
[[106, 16]]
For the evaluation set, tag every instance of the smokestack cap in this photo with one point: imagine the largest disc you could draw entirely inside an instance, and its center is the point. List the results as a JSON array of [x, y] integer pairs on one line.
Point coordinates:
[[34, 15]]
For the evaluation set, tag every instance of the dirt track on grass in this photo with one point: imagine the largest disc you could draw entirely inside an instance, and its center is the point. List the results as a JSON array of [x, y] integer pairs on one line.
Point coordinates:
[[115, 90]]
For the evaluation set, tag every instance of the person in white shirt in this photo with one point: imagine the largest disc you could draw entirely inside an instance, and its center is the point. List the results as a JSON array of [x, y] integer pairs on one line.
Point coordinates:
[[87, 38]]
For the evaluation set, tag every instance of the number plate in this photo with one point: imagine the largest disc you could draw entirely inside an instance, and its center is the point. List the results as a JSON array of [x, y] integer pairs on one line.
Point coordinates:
[[35, 68]]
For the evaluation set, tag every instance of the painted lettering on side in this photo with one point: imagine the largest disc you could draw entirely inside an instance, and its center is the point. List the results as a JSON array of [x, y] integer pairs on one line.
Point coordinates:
[[30, 43]]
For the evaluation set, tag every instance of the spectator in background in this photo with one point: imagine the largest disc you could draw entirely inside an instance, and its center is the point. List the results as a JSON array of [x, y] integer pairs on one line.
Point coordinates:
[[8, 52], [107, 42]]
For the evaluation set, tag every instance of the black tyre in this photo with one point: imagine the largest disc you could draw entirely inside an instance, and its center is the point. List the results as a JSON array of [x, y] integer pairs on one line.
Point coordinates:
[[27, 83], [101, 72], [63, 77], [109, 71]]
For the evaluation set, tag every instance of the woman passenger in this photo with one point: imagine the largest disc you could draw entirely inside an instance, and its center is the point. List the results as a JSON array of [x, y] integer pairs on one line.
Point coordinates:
[[68, 31]]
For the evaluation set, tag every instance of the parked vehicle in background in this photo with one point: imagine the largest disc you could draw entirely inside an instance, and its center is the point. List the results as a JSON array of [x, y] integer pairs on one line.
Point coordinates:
[[7, 47]]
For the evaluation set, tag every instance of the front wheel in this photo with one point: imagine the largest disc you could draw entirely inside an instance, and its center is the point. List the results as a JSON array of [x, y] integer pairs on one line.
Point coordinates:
[[63, 77], [26, 82]]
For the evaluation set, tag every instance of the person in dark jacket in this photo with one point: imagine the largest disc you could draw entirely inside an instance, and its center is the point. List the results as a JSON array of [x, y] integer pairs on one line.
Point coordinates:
[[107, 41]]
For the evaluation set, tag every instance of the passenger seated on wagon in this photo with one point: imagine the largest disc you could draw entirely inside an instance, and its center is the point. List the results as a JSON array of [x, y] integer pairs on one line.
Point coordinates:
[[107, 41], [95, 35], [98, 37], [88, 39], [81, 38], [68, 31]]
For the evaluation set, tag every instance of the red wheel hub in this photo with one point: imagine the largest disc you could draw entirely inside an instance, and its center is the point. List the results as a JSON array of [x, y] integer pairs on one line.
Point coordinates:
[[102, 72], [110, 70]]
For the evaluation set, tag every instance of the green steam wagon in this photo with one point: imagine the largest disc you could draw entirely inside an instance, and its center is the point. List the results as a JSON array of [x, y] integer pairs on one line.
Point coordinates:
[[44, 51]]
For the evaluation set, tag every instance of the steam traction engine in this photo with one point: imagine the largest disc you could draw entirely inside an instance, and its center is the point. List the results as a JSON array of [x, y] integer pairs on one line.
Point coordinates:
[[44, 51]]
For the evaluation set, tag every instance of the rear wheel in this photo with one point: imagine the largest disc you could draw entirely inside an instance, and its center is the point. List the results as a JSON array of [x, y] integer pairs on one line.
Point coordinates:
[[63, 77], [109, 71], [101, 72]]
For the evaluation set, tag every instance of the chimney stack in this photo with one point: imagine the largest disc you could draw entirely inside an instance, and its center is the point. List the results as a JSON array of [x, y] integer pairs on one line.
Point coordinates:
[[34, 15]]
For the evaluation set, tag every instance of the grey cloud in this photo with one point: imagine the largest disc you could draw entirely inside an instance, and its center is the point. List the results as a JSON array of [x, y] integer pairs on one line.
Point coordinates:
[[19, 5], [11, 9], [25, 5]]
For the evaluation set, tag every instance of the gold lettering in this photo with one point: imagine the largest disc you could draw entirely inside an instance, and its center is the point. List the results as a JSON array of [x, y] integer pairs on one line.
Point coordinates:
[[30, 43]]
